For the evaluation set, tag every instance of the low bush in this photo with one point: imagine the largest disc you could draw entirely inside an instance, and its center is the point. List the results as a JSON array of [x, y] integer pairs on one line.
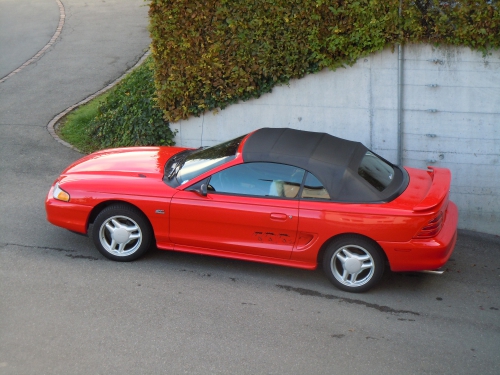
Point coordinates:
[[129, 115]]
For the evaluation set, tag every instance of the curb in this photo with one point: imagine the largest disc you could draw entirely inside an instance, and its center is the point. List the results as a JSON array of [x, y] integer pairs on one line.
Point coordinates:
[[52, 125], [39, 54]]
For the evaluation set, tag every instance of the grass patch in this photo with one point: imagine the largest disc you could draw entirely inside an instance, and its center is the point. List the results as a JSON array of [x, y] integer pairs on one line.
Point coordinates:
[[127, 115], [74, 127]]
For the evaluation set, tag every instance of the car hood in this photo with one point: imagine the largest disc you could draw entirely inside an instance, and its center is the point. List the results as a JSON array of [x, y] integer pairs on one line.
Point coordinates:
[[129, 161]]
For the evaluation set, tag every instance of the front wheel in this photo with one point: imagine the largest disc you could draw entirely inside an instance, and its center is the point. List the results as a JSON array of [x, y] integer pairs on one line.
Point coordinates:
[[121, 233], [354, 264]]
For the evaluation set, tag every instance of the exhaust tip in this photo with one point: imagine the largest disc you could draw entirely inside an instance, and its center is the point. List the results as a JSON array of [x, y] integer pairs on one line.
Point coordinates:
[[433, 272]]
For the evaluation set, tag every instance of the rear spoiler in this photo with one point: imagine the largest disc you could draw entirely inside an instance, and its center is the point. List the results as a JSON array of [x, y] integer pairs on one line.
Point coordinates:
[[441, 181]]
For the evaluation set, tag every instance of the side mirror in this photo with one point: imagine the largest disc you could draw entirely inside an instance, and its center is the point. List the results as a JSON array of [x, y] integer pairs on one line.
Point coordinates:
[[203, 190]]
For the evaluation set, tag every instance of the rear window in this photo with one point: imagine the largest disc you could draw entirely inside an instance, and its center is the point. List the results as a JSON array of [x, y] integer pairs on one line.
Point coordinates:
[[376, 171]]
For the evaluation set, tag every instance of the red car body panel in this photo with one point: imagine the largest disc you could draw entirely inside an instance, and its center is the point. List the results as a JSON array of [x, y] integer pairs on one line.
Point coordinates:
[[277, 231], [256, 226], [427, 254]]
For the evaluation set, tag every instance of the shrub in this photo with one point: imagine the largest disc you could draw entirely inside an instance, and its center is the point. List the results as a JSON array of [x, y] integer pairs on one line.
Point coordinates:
[[129, 115], [211, 53]]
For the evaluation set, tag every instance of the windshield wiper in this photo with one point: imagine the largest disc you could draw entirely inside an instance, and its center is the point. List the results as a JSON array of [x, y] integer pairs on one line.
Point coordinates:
[[175, 169], [176, 166], [176, 163]]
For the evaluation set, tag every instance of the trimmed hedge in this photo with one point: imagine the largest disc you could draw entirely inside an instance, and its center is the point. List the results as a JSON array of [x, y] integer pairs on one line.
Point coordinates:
[[129, 116], [211, 53]]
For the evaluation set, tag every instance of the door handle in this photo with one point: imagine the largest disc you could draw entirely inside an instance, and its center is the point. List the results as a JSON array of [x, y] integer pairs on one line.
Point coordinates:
[[278, 217]]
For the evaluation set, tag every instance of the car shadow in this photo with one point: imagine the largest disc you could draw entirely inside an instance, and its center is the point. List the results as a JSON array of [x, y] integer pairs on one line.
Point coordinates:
[[233, 269]]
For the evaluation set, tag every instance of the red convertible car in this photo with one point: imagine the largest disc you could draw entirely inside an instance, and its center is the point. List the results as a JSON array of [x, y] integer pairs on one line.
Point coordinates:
[[279, 196]]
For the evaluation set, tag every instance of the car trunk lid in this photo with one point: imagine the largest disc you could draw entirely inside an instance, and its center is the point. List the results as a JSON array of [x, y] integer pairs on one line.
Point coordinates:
[[439, 187]]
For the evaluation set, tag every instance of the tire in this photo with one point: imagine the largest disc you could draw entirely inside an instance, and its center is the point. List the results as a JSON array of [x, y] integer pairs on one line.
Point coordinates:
[[353, 263], [122, 233]]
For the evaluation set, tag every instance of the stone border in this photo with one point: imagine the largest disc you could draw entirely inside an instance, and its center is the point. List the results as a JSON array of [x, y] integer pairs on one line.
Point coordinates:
[[62, 18], [52, 125]]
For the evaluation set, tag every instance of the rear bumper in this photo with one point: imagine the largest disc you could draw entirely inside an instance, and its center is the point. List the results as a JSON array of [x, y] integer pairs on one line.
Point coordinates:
[[428, 254]]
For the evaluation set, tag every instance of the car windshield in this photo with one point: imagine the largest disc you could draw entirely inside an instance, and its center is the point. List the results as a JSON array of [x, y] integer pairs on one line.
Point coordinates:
[[205, 159], [376, 171]]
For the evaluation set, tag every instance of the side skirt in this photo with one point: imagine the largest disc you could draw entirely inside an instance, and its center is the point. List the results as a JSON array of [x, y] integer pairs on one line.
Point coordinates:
[[240, 256]]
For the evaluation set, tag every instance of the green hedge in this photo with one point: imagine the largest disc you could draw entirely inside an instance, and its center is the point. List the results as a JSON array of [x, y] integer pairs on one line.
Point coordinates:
[[211, 53], [129, 115]]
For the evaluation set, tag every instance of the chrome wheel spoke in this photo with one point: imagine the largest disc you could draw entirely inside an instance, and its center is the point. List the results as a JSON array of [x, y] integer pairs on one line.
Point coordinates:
[[342, 258], [116, 223], [134, 236], [130, 228], [110, 227], [365, 266], [354, 277], [121, 247], [345, 275], [347, 253], [363, 258], [112, 245]]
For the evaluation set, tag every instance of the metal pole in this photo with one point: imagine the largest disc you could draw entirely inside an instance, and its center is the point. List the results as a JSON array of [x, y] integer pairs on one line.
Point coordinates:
[[400, 95]]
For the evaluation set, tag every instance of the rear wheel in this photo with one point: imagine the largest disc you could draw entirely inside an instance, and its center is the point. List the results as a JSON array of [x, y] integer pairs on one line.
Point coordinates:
[[121, 233], [353, 263]]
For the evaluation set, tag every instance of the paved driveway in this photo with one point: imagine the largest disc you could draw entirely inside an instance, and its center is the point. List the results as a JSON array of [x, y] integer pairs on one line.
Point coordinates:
[[64, 309]]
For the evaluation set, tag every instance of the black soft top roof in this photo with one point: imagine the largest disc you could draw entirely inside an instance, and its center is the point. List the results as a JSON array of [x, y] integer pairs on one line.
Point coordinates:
[[334, 161]]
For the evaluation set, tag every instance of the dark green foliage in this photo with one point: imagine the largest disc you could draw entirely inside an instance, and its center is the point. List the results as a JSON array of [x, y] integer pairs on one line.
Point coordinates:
[[211, 53], [129, 116], [471, 23]]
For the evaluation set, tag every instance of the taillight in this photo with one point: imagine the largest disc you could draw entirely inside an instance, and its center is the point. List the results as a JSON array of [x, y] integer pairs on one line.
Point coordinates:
[[432, 228]]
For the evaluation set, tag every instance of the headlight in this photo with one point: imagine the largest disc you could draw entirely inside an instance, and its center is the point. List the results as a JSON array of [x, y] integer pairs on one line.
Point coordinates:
[[60, 194]]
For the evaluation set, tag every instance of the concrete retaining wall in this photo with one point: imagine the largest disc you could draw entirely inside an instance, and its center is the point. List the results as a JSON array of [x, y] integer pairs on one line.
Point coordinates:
[[451, 118]]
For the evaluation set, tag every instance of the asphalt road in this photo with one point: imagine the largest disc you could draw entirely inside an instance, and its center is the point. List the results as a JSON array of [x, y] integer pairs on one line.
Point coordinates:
[[64, 309]]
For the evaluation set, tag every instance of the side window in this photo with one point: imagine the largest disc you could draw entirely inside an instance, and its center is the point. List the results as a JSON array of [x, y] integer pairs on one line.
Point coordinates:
[[258, 179], [314, 189]]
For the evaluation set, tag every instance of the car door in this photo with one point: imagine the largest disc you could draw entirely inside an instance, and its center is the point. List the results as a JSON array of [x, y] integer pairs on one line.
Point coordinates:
[[249, 208]]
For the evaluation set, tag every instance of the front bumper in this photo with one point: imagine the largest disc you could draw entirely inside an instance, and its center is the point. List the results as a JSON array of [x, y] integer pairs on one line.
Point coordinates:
[[66, 214], [428, 254]]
